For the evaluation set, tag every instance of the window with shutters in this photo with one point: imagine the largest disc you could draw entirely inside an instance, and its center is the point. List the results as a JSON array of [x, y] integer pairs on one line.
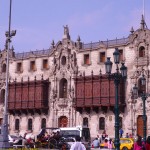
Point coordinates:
[[63, 88], [32, 66], [86, 59], [85, 122], [121, 55], [101, 123], [17, 124], [30, 124], [142, 51], [120, 122], [45, 64], [43, 123], [141, 88], [4, 68], [102, 57], [19, 67], [1, 121], [2, 96]]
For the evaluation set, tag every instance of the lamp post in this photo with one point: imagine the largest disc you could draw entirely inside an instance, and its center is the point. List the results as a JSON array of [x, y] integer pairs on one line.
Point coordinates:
[[143, 97], [117, 76], [4, 143]]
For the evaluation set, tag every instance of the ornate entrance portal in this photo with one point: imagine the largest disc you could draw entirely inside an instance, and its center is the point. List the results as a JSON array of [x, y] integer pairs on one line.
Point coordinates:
[[140, 125], [63, 121]]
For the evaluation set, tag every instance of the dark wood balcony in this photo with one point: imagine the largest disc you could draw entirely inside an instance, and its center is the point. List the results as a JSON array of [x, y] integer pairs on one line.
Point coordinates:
[[97, 92], [28, 97]]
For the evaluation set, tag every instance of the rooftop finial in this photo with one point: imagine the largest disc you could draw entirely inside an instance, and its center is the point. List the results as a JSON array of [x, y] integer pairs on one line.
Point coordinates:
[[53, 44], [132, 30], [78, 39], [142, 22], [66, 33]]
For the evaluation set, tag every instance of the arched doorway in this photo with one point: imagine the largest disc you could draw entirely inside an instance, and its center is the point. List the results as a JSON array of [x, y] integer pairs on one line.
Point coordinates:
[[140, 125], [63, 121]]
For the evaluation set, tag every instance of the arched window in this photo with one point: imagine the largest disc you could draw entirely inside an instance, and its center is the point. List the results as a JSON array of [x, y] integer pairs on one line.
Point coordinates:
[[85, 122], [43, 123], [63, 88], [101, 123], [4, 68], [17, 124], [29, 124], [120, 122], [141, 88], [2, 99], [141, 51]]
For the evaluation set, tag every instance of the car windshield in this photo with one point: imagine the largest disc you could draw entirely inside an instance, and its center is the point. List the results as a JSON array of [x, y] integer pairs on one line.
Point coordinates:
[[69, 133]]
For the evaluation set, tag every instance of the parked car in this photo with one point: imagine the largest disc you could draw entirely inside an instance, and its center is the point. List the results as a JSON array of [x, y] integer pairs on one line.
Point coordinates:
[[125, 144], [12, 138]]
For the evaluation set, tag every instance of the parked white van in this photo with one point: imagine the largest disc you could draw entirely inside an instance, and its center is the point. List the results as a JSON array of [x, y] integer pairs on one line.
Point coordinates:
[[72, 132]]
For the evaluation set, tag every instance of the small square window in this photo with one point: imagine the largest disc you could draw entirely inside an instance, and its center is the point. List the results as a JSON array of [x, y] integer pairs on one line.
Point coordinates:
[[102, 57], [32, 66], [45, 64], [86, 59]]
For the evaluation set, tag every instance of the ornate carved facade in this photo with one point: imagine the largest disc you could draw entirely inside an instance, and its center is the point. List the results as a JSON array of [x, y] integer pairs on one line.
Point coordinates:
[[66, 85]]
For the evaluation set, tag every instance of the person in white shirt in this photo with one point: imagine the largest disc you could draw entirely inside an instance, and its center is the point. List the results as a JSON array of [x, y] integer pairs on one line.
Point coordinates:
[[77, 145]]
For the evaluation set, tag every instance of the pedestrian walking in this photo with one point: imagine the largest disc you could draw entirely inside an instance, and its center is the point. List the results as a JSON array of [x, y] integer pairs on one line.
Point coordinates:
[[110, 144], [105, 143], [148, 143], [121, 132], [95, 143], [139, 145], [127, 135], [77, 145]]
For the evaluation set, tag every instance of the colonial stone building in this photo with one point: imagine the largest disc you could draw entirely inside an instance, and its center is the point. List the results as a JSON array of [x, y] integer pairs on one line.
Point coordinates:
[[66, 85]]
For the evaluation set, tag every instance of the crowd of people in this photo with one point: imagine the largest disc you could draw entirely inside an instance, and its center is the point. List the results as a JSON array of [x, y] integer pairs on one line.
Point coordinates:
[[108, 142]]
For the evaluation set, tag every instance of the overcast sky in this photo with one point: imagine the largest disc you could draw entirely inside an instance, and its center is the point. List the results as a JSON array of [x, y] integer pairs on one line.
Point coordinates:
[[38, 22]]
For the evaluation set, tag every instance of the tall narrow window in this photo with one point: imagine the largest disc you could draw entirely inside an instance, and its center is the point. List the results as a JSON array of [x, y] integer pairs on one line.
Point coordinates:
[[63, 88], [120, 122], [141, 88], [2, 96], [85, 122], [32, 66], [17, 124], [121, 54], [1, 121], [86, 59], [29, 124], [45, 64], [141, 51], [19, 67], [43, 123], [4, 68], [101, 123], [102, 57]]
